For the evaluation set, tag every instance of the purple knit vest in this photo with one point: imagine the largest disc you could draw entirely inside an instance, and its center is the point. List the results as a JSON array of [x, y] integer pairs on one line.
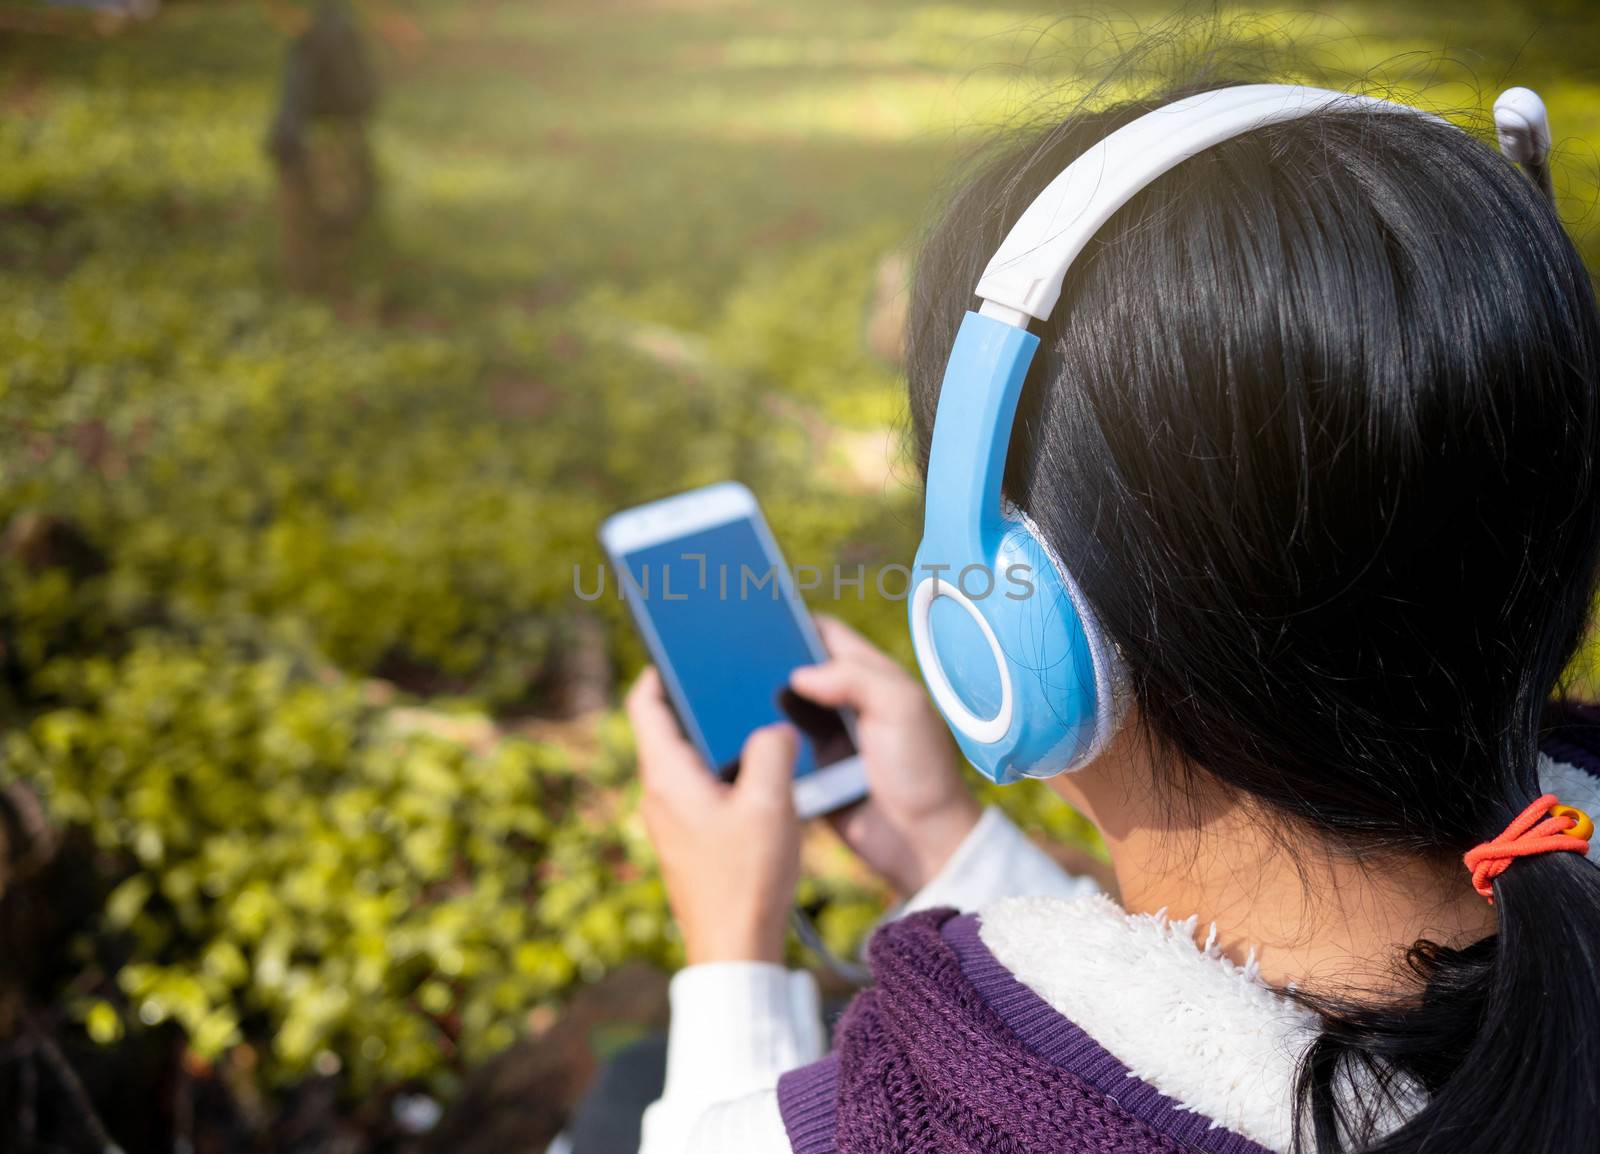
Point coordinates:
[[950, 1054]]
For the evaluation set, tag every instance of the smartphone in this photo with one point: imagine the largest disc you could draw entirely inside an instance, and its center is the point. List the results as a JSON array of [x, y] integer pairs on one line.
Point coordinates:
[[719, 612]]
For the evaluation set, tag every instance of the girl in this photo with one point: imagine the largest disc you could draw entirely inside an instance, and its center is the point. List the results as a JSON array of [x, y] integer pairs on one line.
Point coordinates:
[[1314, 423]]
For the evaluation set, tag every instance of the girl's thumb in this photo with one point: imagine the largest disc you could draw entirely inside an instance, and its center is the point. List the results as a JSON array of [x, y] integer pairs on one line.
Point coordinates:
[[831, 683], [766, 765]]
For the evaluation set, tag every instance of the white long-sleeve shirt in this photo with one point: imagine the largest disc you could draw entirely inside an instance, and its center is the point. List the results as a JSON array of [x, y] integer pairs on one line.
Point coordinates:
[[737, 1026]]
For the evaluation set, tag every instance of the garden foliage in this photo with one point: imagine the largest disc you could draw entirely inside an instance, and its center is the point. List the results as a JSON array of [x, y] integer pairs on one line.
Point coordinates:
[[286, 585], [283, 581]]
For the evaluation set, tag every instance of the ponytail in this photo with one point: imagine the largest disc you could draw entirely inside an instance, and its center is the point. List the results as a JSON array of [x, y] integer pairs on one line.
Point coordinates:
[[1500, 1054]]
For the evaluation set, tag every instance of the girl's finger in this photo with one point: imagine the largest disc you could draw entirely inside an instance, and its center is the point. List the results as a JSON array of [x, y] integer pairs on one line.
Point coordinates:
[[844, 642], [667, 762], [766, 767], [844, 682], [648, 711]]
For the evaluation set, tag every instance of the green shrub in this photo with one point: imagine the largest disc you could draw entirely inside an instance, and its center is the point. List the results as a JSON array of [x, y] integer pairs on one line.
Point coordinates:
[[281, 501], [322, 876]]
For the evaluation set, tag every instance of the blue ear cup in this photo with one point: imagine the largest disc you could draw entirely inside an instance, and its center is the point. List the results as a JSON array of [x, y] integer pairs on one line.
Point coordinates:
[[1007, 647]]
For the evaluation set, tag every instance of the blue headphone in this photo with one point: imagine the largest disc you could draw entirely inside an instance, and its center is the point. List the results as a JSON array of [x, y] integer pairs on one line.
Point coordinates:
[[1013, 655]]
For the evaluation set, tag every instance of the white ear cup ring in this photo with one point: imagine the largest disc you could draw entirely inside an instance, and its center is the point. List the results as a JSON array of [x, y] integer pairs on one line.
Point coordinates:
[[983, 729]]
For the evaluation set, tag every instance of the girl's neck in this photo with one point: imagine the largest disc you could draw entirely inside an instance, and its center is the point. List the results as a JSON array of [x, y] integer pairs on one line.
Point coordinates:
[[1315, 917]]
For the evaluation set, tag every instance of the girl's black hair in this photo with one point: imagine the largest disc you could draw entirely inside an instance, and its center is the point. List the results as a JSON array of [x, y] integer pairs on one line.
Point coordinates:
[[1314, 425]]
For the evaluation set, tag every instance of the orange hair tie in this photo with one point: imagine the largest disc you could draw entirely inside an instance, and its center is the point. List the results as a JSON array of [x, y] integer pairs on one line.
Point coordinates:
[[1544, 827]]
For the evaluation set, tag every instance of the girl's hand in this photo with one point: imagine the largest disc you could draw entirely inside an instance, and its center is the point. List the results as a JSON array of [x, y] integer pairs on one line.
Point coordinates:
[[730, 854], [918, 809]]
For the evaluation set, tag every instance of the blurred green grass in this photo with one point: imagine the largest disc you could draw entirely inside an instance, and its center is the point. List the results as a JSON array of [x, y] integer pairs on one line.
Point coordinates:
[[622, 248]]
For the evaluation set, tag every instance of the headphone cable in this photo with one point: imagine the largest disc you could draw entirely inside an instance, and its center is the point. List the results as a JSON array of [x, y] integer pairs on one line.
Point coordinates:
[[853, 972]]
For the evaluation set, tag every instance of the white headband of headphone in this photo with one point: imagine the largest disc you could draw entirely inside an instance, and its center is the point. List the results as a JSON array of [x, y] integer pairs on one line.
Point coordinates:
[[1025, 274]]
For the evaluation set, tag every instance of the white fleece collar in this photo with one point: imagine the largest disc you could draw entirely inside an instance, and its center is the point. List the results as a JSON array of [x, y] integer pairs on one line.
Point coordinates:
[[1180, 1016], [1183, 1017]]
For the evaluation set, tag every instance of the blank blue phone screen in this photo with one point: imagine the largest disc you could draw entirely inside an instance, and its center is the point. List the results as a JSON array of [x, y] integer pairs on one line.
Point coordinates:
[[724, 628]]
